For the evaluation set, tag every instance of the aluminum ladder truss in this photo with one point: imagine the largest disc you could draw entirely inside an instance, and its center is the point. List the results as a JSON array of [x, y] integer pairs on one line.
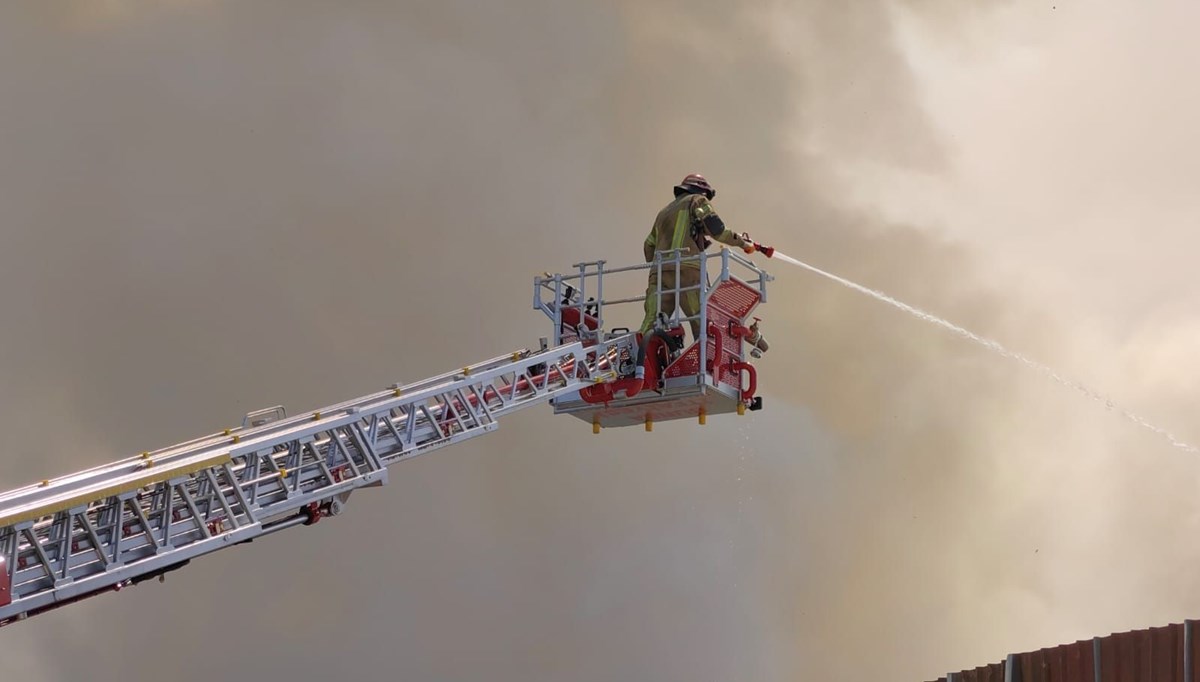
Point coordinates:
[[105, 528]]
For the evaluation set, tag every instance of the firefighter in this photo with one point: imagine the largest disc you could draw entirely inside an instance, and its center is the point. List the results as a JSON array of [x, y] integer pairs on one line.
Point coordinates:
[[689, 223]]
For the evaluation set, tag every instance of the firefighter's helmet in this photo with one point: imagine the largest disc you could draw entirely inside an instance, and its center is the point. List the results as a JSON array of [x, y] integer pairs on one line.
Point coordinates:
[[695, 184]]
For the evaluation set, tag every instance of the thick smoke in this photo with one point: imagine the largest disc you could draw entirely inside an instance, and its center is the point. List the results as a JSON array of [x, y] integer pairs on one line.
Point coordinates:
[[212, 207]]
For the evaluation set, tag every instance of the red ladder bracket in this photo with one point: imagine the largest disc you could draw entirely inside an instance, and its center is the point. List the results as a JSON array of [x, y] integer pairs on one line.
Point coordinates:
[[5, 584]]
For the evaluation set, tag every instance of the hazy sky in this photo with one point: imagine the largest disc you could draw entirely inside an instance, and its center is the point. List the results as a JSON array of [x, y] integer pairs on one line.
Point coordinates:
[[211, 207]]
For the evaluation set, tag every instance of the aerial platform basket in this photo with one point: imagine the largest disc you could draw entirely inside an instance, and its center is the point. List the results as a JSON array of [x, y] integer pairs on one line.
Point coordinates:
[[681, 381]]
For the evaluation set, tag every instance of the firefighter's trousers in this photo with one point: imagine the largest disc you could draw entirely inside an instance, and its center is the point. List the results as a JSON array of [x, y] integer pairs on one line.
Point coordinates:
[[689, 301]]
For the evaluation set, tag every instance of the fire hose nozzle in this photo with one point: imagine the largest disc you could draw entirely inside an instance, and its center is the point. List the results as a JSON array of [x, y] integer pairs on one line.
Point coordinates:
[[752, 246]]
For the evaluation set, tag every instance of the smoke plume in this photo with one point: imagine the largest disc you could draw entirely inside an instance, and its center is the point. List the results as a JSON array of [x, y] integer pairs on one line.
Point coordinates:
[[212, 207]]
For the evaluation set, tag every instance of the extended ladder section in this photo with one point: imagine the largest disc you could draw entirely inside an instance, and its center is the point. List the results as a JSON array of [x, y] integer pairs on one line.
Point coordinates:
[[116, 525]]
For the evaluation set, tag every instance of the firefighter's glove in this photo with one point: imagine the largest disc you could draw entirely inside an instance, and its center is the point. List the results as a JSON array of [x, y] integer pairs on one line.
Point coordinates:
[[747, 242]]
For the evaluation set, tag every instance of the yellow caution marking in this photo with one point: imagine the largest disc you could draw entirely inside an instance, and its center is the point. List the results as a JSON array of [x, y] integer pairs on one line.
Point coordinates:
[[595, 425], [703, 416], [283, 472], [741, 409], [316, 416], [649, 424]]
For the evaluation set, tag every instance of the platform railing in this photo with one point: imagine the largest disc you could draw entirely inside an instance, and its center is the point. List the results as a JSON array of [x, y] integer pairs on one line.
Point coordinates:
[[585, 290]]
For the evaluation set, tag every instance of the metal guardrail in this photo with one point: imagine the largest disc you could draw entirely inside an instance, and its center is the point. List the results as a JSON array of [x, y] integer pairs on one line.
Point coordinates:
[[585, 289]]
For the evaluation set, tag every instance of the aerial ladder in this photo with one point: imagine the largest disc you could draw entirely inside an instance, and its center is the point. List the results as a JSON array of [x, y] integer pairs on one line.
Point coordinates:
[[106, 528]]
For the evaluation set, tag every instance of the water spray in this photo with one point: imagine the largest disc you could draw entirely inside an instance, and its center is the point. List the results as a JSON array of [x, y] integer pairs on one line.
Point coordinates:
[[986, 343]]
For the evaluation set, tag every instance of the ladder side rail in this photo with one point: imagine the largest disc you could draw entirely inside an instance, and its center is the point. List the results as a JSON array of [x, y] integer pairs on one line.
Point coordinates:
[[78, 481], [86, 477], [431, 382], [129, 535], [307, 429]]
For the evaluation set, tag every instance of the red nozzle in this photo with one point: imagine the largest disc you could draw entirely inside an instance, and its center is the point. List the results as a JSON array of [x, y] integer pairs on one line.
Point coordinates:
[[750, 246]]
